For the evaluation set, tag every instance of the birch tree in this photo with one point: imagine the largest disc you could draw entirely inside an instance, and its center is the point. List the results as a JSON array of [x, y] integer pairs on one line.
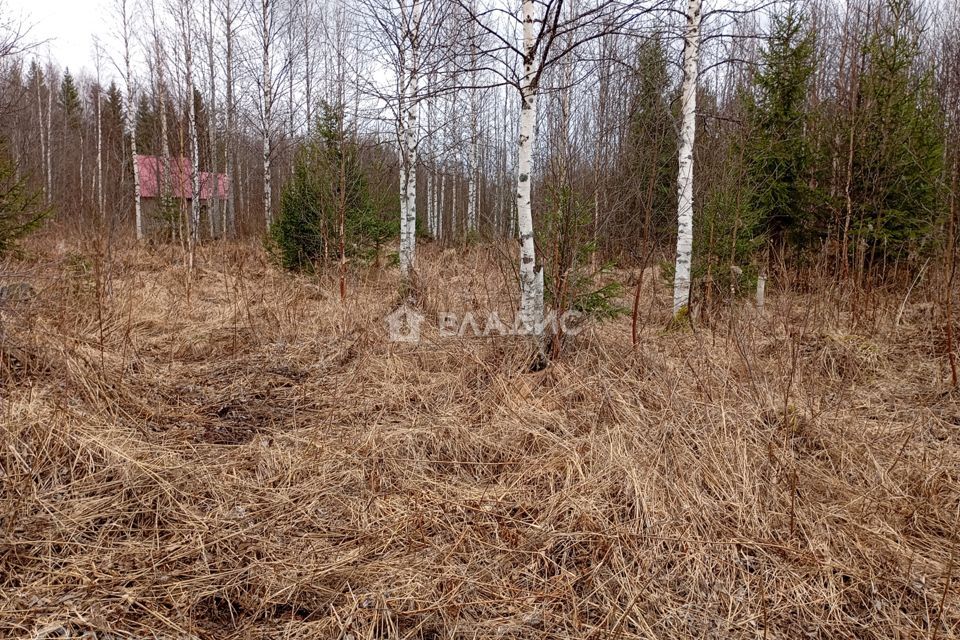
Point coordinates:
[[431, 160], [229, 28], [125, 9], [307, 15], [185, 16], [266, 100], [101, 205], [688, 105], [410, 20], [268, 27], [49, 128], [38, 80], [214, 205], [406, 39], [531, 276], [160, 64], [549, 35], [474, 157]]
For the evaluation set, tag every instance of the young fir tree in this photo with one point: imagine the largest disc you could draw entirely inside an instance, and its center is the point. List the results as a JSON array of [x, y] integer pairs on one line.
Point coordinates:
[[650, 162], [70, 99], [21, 208], [328, 181], [778, 153], [147, 126], [898, 152], [113, 119]]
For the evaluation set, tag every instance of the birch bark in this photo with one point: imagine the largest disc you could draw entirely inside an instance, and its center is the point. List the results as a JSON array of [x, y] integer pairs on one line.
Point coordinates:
[[408, 172], [229, 222], [531, 277], [100, 202], [214, 205], [266, 90], [49, 131], [473, 160], [192, 125], [131, 119], [43, 145], [681, 284]]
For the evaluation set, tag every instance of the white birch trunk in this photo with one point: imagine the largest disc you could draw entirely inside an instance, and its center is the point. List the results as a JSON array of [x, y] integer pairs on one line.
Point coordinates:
[[164, 144], [161, 89], [472, 184], [291, 65], [440, 204], [431, 168], [431, 229], [43, 144], [531, 278], [195, 189], [82, 194], [308, 64], [403, 214], [214, 205], [229, 220], [49, 139], [131, 120], [455, 217], [473, 159], [681, 284], [267, 97], [408, 174], [138, 209], [101, 208]]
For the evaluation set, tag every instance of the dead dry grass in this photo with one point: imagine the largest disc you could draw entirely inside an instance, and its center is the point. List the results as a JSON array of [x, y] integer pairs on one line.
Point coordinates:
[[236, 455]]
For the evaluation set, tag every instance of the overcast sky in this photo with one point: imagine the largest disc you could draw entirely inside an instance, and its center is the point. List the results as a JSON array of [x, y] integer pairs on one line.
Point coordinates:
[[68, 26]]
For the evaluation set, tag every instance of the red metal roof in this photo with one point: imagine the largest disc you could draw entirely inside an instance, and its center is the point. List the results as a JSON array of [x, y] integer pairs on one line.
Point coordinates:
[[151, 178]]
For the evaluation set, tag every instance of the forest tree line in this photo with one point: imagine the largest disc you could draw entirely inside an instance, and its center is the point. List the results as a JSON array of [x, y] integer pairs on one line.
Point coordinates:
[[827, 133]]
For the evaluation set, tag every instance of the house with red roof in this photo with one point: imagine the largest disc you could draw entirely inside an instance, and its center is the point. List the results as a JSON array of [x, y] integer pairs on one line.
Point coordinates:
[[212, 185]]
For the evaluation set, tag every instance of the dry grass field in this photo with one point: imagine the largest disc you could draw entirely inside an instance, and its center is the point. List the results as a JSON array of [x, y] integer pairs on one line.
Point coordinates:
[[232, 453]]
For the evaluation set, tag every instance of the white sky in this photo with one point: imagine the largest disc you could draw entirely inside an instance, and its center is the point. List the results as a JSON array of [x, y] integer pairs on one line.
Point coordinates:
[[68, 26]]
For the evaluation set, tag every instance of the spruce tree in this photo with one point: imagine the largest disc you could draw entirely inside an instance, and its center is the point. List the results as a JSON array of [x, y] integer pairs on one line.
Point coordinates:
[[778, 153], [307, 230], [650, 158], [70, 100], [147, 126], [21, 208], [113, 109], [898, 155]]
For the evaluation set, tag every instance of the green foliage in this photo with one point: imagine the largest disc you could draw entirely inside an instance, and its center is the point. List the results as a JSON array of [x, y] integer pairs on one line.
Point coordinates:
[[203, 124], [570, 282], [679, 321], [328, 180], [147, 125], [779, 158], [649, 163], [600, 302], [728, 235], [35, 75], [470, 238], [899, 148], [168, 215], [70, 100], [20, 208], [113, 109], [299, 234]]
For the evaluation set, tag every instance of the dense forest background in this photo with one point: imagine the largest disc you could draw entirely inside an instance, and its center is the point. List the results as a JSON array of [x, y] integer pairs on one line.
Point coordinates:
[[827, 132]]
